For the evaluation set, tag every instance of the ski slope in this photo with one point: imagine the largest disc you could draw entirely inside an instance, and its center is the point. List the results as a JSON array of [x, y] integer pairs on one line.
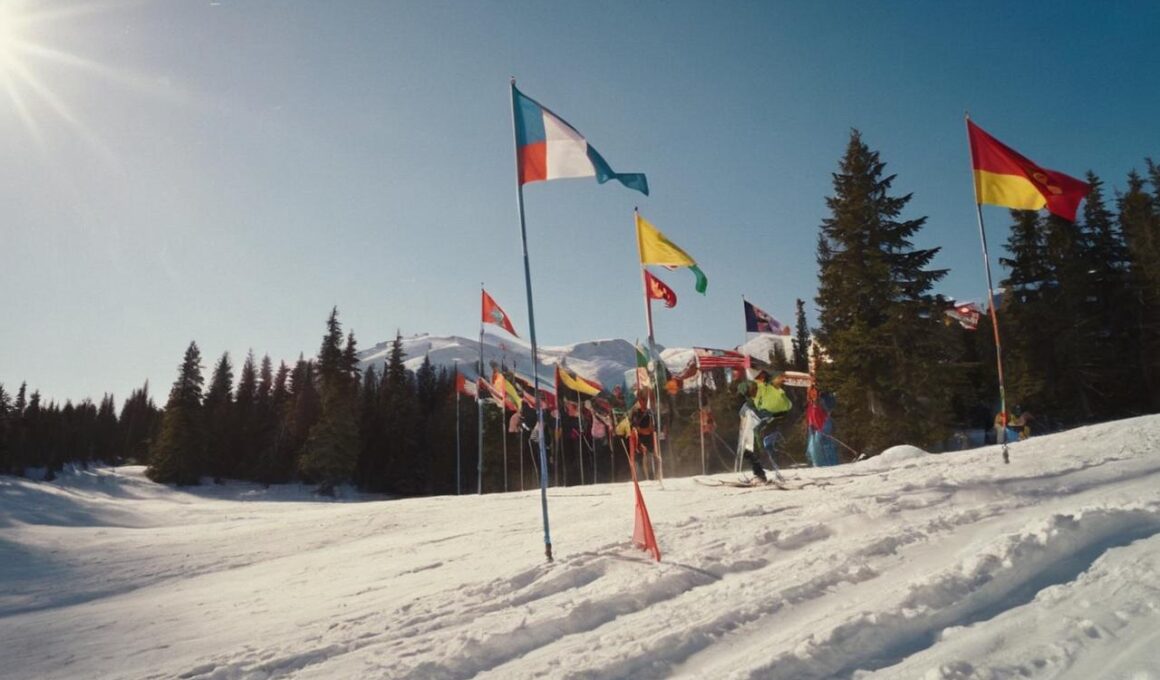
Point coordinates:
[[909, 565]]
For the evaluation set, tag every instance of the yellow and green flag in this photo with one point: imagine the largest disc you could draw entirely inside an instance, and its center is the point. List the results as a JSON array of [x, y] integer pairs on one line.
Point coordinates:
[[658, 250]]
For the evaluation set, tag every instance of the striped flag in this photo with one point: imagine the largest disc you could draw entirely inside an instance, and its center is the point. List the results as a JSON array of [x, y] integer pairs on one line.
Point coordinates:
[[1003, 177], [720, 358], [547, 147]]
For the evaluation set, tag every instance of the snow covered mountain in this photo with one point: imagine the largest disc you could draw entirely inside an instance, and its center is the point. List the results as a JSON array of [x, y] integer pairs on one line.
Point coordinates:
[[603, 360]]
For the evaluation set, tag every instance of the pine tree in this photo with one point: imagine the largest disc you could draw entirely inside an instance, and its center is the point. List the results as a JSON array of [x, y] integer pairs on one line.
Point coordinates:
[[276, 462], [331, 451], [371, 428], [219, 420], [877, 320], [6, 419], [1140, 225], [1108, 307], [777, 359], [105, 436], [397, 395], [178, 455], [801, 340], [245, 445], [1074, 347], [138, 425]]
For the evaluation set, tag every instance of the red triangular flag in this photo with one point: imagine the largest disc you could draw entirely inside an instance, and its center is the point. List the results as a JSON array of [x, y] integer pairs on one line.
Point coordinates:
[[642, 531]]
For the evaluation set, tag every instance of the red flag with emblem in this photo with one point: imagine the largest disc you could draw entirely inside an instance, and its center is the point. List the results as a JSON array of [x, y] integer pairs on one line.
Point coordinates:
[[658, 290], [493, 313]]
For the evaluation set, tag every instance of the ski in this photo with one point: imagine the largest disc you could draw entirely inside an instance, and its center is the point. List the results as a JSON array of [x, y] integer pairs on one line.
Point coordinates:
[[753, 483]]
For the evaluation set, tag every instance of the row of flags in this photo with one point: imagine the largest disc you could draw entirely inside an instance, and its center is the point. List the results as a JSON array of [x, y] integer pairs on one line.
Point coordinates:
[[548, 147]]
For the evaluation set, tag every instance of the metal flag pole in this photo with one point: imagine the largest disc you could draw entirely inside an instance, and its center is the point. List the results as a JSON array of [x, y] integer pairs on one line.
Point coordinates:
[[742, 349], [701, 411], [580, 437], [990, 302], [458, 484], [479, 402], [658, 464], [532, 334], [503, 430]]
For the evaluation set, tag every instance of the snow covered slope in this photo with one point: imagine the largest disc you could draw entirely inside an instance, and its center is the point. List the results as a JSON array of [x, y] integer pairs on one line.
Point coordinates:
[[602, 360], [910, 565]]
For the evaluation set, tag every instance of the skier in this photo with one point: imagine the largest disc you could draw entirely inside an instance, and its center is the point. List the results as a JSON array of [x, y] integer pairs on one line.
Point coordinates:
[[820, 446], [645, 427], [766, 403]]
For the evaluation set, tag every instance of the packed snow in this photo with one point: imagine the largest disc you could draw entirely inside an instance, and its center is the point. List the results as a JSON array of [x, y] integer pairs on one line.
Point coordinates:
[[908, 565]]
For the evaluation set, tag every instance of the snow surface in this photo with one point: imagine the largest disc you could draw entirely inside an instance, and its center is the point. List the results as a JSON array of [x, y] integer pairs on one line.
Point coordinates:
[[910, 565]]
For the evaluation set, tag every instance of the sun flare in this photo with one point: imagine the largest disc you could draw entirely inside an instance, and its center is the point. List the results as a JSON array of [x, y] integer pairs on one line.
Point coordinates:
[[29, 58], [11, 26]]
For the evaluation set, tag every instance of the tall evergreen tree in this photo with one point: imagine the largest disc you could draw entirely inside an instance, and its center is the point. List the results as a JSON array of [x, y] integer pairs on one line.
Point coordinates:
[[1140, 223], [877, 320], [331, 451], [371, 433], [138, 425], [178, 455], [276, 462], [801, 340], [397, 394], [6, 420], [105, 444], [219, 420], [1108, 307], [1024, 326], [245, 445]]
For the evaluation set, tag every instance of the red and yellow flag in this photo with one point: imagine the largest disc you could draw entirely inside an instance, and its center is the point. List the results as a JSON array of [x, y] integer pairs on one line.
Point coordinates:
[[1004, 177]]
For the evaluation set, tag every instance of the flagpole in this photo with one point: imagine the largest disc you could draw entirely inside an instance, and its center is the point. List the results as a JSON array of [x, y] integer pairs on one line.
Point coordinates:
[[744, 352], [503, 428], [580, 437], [701, 409], [532, 334], [990, 301], [652, 352], [479, 402], [458, 484]]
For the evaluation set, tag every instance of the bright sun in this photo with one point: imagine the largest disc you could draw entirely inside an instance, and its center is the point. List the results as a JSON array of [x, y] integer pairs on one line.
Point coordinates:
[[9, 36]]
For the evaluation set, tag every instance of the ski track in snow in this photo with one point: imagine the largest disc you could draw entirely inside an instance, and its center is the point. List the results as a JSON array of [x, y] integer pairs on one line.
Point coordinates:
[[905, 566]]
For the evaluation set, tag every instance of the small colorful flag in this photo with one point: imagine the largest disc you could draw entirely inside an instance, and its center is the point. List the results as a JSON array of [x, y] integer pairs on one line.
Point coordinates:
[[719, 358], [547, 147], [568, 380], [658, 250], [465, 388], [967, 314], [501, 383], [658, 290], [760, 321], [1005, 178], [643, 380], [492, 313]]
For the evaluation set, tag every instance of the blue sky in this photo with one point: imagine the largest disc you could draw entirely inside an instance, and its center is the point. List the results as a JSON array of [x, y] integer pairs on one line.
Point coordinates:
[[227, 172]]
